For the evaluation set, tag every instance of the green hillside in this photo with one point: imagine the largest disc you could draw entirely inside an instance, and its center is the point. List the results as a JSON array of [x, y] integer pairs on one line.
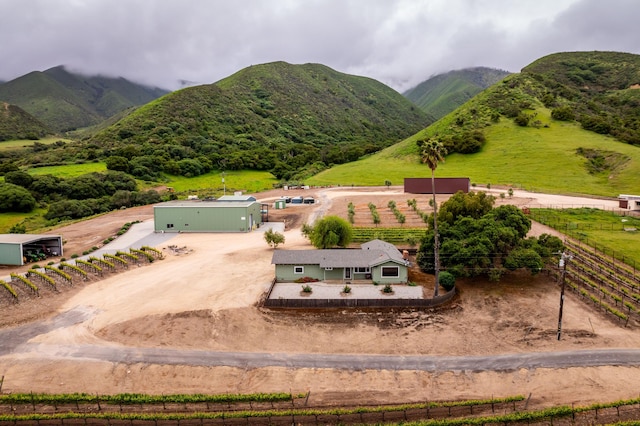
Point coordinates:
[[519, 141], [65, 101], [292, 120], [443, 93], [15, 123]]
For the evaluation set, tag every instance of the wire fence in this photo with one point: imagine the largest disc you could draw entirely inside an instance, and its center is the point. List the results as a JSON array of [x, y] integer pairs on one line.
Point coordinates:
[[576, 231]]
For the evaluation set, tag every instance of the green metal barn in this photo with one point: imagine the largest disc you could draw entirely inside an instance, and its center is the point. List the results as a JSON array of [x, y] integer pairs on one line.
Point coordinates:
[[18, 249], [234, 214]]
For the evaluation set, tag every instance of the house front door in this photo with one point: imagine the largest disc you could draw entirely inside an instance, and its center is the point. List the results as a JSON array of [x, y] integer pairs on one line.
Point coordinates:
[[347, 273]]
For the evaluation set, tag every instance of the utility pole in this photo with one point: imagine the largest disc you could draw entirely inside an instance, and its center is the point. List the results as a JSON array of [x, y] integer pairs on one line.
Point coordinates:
[[224, 185], [564, 259]]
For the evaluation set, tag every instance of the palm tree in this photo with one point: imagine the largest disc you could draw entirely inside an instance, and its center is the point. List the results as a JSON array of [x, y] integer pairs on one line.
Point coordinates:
[[432, 152]]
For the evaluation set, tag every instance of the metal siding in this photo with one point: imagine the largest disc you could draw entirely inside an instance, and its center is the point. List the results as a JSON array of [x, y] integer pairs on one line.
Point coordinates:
[[205, 219], [11, 254], [443, 185], [256, 210]]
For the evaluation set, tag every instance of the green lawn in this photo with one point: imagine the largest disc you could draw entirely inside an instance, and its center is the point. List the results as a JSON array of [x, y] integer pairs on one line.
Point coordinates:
[[534, 159], [69, 171]]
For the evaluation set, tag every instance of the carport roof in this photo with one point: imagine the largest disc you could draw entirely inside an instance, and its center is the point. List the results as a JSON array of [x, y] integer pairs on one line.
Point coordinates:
[[25, 238]]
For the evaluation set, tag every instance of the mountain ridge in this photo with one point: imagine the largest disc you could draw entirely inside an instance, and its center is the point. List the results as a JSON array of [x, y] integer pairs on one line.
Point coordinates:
[[66, 101], [443, 93], [273, 116]]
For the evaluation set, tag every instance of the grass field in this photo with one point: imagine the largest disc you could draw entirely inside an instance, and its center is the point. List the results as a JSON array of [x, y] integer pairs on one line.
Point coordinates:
[[210, 184], [69, 171], [594, 226], [33, 220], [26, 143], [534, 159]]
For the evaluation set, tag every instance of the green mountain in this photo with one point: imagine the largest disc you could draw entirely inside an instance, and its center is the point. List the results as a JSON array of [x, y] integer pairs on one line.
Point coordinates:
[[289, 119], [15, 123], [65, 101], [568, 123], [443, 93]]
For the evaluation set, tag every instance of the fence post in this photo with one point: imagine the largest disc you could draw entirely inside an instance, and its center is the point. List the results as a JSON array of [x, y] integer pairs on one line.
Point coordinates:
[[1, 381]]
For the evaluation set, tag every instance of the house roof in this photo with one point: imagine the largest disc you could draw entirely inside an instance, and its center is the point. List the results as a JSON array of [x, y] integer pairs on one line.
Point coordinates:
[[371, 254]]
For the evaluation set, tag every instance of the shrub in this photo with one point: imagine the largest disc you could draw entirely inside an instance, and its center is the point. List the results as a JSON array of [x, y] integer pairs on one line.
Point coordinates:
[[387, 288], [306, 289], [563, 113], [346, 289], [306, 280], [447, 280]]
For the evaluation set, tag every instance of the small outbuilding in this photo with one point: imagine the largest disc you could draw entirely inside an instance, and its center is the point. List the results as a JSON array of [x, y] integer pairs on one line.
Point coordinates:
[[19, 249], [629, 202], [376, 261], [443, 185], [226, 214]]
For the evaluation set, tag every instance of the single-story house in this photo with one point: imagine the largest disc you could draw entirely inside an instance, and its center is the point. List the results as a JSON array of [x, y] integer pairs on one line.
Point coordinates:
[[376, 261], [629, 202], [18, 249]]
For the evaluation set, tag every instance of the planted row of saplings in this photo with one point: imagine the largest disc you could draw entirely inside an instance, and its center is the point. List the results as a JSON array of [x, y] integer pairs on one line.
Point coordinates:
[[598, 294], [411, 236], [52, 277], [270, 414], [624, 290], [501, 413], [619, 291], [615, 268]]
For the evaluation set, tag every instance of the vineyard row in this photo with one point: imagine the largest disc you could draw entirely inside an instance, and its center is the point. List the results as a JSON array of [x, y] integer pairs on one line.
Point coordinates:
[[50, 276]]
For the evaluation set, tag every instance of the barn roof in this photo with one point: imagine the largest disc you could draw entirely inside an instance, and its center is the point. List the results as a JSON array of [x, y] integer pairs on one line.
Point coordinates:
[[204, 203]]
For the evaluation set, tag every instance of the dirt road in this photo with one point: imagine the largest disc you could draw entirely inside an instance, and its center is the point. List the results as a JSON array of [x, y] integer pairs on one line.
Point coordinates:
[[203, 301]]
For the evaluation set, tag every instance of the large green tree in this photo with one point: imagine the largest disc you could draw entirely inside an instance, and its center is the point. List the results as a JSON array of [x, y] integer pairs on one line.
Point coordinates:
[[14, 198], [432, 152], [461, 204], [330, 232], [489, 245]]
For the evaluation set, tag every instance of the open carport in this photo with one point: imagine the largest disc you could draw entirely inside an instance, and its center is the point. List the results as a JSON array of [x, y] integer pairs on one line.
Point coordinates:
[[18, 249]]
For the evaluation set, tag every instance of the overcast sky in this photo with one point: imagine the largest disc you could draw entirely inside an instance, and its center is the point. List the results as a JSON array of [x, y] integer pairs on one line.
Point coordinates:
[[398, 42]]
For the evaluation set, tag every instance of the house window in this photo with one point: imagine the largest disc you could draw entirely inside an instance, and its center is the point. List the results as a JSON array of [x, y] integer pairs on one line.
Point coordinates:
[[390, 271], [361, 270], [169, 225], [298, 269], [330, 268]]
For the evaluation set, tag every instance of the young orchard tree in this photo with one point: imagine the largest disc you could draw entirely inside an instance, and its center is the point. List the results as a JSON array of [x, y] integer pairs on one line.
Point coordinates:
[[273, 238]]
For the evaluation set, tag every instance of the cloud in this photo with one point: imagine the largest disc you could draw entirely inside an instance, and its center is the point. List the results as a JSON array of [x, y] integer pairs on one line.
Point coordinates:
[[399, 42]]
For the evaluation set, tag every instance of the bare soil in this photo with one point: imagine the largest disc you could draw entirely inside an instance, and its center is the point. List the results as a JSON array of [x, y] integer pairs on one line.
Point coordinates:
[[206, 297]]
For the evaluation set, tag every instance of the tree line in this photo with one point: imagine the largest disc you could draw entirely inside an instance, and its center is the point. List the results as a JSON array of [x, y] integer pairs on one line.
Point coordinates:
[[72, 198]]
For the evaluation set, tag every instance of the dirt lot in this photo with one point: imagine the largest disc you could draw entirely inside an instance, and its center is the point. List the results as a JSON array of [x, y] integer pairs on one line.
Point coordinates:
[[205, 298]]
